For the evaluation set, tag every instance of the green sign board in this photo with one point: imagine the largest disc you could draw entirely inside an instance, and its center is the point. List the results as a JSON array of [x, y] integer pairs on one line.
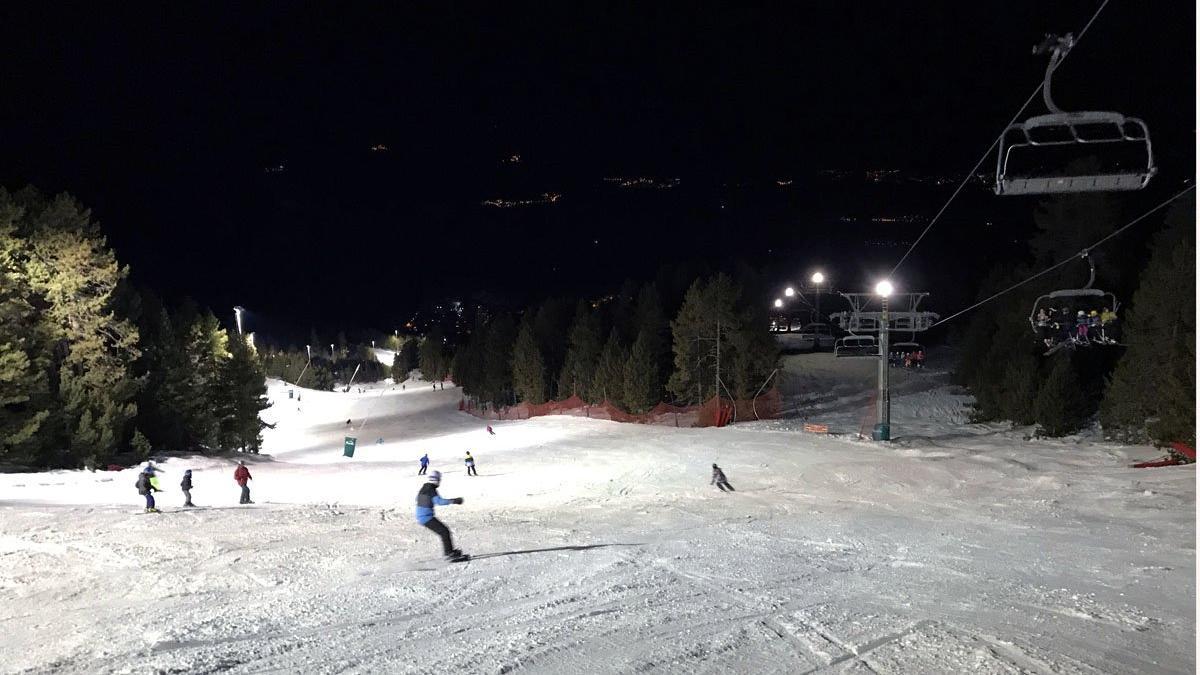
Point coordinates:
[[348, 447]]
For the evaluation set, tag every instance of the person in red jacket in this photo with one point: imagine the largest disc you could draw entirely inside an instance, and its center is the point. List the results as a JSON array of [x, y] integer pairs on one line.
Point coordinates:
[[242, 476]]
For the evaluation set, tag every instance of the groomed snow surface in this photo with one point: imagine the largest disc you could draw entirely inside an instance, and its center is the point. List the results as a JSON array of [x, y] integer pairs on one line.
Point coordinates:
[[601, 547]]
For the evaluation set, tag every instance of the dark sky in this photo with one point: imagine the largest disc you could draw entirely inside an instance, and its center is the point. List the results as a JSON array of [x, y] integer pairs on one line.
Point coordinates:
[[163, 119]]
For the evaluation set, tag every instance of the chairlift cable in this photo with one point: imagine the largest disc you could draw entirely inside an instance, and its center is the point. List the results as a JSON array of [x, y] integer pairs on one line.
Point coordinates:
[[1087, 250], [988, 152]]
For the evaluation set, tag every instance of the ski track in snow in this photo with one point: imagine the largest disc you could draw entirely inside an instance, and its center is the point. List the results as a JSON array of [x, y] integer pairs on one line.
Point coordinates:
[[600, 547]]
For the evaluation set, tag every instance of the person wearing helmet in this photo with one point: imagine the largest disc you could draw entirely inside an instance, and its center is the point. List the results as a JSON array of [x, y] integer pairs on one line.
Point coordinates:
[[1081, 326], [718, 479], [428, 498], [470, 462], [186, 486], [147, 485], [241, 476]]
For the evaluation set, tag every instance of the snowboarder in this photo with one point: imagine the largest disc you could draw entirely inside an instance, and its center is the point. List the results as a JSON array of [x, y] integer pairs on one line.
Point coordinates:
[[424, 464], [147, 485], [241, 476], [186, 486], [470, 465], [490, 432], [427, 498], [718, 479]]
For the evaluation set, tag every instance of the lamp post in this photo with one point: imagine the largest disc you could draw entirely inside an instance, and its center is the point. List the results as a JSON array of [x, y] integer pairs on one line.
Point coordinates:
[[332, 355], [883, 429], [309, 348], [237, 313], [818, 279]]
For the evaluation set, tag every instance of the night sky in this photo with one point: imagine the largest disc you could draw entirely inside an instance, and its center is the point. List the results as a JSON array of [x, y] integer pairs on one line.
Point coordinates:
[[166, 120]]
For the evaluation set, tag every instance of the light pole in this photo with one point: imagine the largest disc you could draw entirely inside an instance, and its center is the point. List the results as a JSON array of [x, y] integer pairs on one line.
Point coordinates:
[[883, 429], [817, 279], [309, 348], [332, 355], [237, 313]]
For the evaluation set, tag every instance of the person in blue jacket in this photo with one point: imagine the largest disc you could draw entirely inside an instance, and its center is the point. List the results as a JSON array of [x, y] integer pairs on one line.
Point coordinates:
[[427, 498], [424, 464]]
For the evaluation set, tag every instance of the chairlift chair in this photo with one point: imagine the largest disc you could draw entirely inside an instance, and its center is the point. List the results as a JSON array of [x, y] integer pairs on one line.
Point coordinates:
[[1092, 298], [1060, 134]]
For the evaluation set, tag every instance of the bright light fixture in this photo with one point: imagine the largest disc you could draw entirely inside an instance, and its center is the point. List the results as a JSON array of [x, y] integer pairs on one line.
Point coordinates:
[[789, 291], [817, 277], [778, 302], [883, 288]]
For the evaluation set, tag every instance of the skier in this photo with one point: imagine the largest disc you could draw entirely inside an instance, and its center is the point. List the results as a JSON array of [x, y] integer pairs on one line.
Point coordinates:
[[186, 486], [241, 476], [424, 464], [1108, 325], [490, 432], [718, 479], [427, 498], [1081, 327], [147, 486], [470, 465]]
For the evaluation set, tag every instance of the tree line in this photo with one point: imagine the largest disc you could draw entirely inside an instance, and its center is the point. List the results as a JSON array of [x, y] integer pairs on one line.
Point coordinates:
[[1142, 392], [621, 348], [93, 370]]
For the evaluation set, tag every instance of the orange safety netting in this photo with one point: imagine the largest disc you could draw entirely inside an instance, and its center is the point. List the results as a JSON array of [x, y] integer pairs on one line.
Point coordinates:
[[714, 413]]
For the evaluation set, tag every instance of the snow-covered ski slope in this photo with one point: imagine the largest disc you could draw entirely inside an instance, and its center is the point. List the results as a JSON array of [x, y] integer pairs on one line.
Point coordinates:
[[601, 547]]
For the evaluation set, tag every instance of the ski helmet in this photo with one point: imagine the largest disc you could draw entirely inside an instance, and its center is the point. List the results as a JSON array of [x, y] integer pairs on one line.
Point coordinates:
[[434, 477]]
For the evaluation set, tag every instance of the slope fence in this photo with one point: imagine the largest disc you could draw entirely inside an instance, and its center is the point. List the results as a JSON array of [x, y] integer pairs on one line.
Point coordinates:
[[716, 412]]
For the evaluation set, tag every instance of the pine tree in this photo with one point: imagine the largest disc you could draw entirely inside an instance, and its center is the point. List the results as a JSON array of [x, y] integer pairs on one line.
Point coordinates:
[[1152, 393], [141, 445], [609, 380], [399, 368], [1061, 407], [708, 315], [528, 368], [469, 361], [497, 360], [165, 398], [205, 345], [59, 256], [551, 327], [642, 385], [579, 366], [434, 361], [408, 355], [242, 395], [650, 319], [25, 400]]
